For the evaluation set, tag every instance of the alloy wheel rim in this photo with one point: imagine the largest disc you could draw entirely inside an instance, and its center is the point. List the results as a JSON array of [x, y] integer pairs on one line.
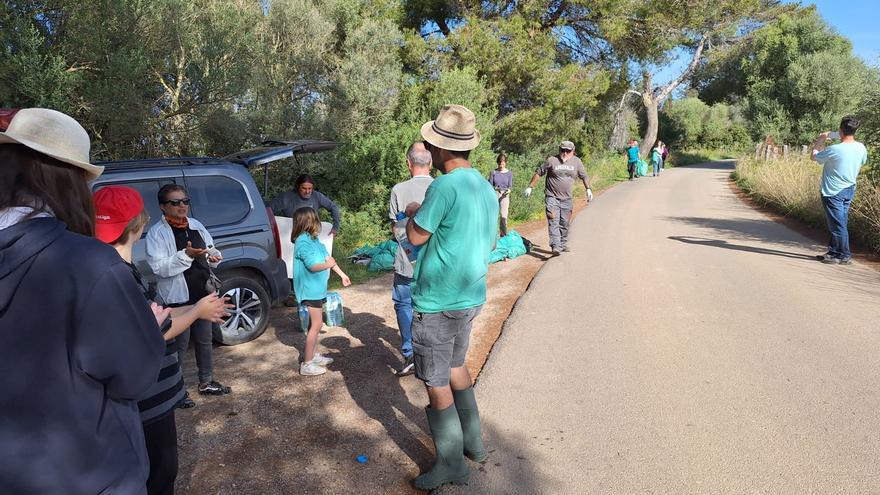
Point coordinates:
[[247, 313]]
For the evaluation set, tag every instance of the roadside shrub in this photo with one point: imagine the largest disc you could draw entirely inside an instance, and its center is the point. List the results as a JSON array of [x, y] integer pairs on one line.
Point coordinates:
[[356, 229]]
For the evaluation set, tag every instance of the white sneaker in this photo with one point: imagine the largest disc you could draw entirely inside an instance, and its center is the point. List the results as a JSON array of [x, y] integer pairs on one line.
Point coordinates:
[[311, 368], [322, 360]]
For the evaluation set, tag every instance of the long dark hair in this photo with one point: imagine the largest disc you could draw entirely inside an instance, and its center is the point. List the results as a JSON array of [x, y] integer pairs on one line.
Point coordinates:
[[305, 219], [32, 179]]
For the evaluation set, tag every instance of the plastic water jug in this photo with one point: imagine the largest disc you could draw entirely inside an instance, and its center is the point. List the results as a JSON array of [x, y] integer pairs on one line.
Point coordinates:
[[333, 314], [304, 319], [399, 231]]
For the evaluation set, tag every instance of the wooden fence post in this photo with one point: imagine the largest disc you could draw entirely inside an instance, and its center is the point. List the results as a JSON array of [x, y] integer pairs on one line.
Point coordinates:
[[805, 150], [758, 151], [785, 151]]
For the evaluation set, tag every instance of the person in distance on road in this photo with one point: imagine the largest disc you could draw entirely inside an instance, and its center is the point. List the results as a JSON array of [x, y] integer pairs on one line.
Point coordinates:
[[632, 158], [561, 171], [841, 164]]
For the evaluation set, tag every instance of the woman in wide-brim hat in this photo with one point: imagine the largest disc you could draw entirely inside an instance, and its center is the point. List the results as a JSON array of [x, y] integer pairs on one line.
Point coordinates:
[[79, 344]]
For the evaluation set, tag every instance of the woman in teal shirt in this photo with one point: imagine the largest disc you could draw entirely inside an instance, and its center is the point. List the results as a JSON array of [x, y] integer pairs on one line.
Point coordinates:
[[311, 271]]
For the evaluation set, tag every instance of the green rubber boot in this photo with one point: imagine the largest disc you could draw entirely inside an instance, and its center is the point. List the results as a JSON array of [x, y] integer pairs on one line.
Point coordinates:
[[469, 415], [450, 466]]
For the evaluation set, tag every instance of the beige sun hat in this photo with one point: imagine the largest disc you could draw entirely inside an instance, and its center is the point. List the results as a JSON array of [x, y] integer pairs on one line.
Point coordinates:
[[454, 129], [52, 133]]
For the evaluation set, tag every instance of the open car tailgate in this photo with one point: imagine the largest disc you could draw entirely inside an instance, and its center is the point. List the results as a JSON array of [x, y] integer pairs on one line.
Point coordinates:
[[271, 151]]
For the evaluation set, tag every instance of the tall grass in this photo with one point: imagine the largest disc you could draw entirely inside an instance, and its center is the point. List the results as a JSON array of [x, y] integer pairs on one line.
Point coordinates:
[[791, 186]]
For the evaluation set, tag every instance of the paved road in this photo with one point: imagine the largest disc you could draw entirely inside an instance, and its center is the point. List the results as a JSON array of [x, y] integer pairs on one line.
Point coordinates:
[[687, 344]]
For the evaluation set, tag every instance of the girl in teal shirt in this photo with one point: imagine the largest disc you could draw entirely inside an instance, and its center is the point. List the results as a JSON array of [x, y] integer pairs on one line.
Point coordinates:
[[311, 271]]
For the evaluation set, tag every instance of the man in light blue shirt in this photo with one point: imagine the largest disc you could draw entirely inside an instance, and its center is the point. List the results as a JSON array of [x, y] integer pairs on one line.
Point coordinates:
[[841, 164]]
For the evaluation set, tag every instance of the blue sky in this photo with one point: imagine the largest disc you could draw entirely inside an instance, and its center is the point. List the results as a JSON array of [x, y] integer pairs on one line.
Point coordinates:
[[858, 20]]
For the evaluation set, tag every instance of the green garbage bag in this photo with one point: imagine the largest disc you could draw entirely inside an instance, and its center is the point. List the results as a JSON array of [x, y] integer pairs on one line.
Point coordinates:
[[643, 168], [381, 255], [509, 246]]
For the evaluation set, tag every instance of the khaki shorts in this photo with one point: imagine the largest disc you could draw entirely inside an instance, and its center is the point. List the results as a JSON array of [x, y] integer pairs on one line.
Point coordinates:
[[440, 342], [503, 202]]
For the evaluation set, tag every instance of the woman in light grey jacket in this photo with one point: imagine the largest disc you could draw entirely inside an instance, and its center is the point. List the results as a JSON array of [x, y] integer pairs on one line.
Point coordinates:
[[181, 253]]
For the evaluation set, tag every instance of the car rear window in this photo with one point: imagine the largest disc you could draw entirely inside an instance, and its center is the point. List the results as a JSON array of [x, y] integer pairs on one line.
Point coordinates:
[[217, 200]]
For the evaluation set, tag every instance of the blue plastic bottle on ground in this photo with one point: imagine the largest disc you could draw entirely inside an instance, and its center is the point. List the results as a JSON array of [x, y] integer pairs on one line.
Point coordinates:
[[399, 230], [303, 318], [333, 314]]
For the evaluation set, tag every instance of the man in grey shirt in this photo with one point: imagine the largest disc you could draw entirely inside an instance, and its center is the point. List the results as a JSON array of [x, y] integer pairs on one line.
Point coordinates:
[[561, 171], [418, 160], [305, 195]]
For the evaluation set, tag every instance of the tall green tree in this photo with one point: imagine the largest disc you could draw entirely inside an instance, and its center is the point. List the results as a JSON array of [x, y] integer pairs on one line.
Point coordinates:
[[658, 30], [793, 78]]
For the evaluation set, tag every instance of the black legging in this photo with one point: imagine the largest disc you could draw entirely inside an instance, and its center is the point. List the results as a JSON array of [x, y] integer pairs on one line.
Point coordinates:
[[161, 440]]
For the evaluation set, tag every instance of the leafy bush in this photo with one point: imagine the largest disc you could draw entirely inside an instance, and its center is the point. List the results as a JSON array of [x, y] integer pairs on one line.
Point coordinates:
[[690, 123]]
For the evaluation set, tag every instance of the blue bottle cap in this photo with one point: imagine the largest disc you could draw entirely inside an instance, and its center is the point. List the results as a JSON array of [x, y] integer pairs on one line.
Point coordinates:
[[362, 459]]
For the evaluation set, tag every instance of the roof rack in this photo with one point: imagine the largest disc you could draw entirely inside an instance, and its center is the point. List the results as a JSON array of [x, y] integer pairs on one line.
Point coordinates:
[[161, 162]]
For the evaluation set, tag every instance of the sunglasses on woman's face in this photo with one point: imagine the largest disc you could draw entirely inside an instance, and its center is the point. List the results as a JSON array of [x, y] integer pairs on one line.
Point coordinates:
[[177, 202]]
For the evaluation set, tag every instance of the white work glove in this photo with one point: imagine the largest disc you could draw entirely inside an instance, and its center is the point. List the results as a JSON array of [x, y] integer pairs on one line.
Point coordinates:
[[527, 192], [589, 194]]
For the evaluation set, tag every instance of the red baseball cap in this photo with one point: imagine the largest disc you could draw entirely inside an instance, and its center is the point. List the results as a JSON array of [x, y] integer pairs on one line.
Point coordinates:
[[115, 207]]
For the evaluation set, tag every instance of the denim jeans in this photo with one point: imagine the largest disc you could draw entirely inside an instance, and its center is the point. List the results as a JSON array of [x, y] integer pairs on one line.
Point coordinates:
[[837, 215], [657, 167], [204, 348], [401, 294], [558, 216]]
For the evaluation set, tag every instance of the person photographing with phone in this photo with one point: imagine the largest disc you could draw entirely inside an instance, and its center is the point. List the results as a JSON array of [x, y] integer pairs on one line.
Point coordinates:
[[181, 254], [841, 164]]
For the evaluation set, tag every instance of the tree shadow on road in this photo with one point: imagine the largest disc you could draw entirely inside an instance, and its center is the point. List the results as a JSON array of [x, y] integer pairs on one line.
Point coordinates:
[[749, 229], [738, 247], [381, 394]]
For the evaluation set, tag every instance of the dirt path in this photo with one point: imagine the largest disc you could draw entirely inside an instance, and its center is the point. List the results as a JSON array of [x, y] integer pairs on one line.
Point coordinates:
[[280, 433]]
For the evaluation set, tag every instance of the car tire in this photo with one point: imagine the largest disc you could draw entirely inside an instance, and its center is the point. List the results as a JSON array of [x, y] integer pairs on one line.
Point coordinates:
[[250, 314]]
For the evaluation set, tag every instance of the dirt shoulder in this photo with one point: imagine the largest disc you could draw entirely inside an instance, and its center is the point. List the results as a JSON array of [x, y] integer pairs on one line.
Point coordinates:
[[280, 433]]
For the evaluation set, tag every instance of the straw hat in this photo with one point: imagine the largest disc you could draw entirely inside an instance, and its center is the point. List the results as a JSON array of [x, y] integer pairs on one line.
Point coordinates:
[[454, 129], [54, 134]]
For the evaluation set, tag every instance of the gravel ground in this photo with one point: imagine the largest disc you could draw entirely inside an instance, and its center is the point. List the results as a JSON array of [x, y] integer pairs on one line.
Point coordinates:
[[279, 432]]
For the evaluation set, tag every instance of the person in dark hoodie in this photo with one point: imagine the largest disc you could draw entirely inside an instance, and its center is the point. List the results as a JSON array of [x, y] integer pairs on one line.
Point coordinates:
[[78, 344], [120, 221]]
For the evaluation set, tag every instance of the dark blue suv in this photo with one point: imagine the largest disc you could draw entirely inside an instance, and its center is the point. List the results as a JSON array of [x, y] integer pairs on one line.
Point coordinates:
[[226, 200]]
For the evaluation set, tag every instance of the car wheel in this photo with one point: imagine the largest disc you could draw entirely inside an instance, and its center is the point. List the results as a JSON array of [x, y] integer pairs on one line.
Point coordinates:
[[250, 314]]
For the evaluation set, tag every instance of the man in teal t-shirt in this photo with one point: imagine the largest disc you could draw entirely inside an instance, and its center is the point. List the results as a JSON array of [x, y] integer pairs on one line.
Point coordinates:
[[457, 224], [840, 168]]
